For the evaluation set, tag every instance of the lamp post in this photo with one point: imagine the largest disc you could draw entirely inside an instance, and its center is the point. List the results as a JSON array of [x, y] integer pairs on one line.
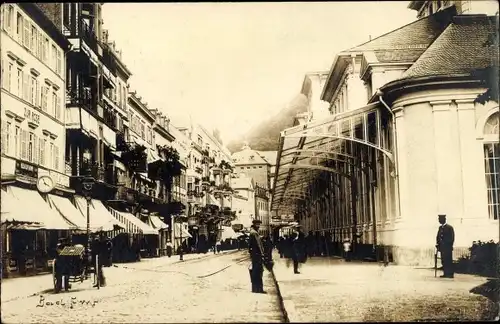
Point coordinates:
[[181, 256], [87, 190]]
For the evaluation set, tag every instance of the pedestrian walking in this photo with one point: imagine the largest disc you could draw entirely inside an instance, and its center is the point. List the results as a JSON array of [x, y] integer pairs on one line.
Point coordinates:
[[347, 249], [169, 249], [258, 257], [444, 244]]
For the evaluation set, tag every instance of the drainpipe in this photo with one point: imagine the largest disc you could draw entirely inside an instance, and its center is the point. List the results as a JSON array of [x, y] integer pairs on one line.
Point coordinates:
[[395, 156]]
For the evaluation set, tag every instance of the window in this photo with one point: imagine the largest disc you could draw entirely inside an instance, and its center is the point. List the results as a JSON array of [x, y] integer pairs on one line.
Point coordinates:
[[34, 40], [492, 164], [41, 147], [143, 133], [8, 78], [17, 141], [8, 128], [51, 154], [27, 34], [26, 86], [31, 144], [39, 53], [8, 17], [149, 135], [59, 62], [54, 104], [19, 27], [56, 157], [19, 92], [45, 52], [33, 88], [5, 140], [44, 95], [53, 57], [24, 139]]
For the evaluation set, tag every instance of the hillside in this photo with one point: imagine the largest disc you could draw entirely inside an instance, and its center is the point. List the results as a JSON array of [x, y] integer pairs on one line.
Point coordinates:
[[265, 136]]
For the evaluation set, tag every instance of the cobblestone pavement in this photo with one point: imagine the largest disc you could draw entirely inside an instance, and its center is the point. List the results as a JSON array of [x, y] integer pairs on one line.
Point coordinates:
[[331, 290], [158, 291]]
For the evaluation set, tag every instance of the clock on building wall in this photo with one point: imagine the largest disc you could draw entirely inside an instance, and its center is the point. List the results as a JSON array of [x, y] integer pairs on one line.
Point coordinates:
[[45, 184]]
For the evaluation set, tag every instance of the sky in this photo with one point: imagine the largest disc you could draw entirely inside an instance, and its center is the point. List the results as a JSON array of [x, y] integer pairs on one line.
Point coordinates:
[[233, 65]]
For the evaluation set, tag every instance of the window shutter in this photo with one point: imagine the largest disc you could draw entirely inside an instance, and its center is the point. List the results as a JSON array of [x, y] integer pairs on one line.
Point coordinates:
[[24, 93], [24, 135], [27, 29], [36, 152], [4, 79], [58, 108], [56, 157], [4, 136]]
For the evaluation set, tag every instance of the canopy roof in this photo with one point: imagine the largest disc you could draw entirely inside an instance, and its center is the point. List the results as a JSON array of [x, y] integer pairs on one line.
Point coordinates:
[[306, 149]]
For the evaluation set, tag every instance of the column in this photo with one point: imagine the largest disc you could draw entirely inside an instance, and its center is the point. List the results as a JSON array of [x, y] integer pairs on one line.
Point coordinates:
[[448, 160]]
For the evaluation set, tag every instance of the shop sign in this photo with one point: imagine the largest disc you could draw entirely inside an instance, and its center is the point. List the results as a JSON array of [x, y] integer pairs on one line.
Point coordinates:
[[60, 179], [31, 116], [25, 169]]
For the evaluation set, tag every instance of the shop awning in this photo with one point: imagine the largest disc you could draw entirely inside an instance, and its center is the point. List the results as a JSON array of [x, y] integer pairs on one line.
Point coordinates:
[[179, 230], [31, 203], [14, 216], [228, 233], [307, 150], [213, 201], [158, 223], [100, 217], [227, 202], [68, 211], [139, 226]]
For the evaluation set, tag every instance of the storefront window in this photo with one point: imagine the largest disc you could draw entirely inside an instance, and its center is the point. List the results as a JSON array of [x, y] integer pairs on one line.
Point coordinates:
[[492, 165]]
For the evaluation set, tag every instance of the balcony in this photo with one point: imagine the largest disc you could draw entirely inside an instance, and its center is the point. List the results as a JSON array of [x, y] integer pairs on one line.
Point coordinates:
[[89, 37], [99, 173], [108, 59], [109, 115], [81, 97]]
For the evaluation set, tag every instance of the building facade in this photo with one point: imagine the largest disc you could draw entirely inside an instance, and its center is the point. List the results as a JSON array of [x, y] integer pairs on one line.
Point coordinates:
[[33, 116], [379, 168]]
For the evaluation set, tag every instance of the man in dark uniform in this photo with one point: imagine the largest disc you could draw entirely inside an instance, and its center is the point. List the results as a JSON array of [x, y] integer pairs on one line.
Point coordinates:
[[258, 257], [61, 269], [444, 244]]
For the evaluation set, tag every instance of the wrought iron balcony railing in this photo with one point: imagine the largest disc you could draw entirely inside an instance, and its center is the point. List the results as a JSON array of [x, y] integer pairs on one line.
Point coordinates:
[[99, 173], [89, 37]]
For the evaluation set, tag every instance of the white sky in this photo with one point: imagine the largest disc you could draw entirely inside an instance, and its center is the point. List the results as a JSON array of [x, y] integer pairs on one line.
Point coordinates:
[[233, 65]]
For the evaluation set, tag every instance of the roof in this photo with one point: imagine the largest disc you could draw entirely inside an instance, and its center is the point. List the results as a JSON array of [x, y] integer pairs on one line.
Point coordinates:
[[461, 50], [407, 43], [269, 156], [247, 156]]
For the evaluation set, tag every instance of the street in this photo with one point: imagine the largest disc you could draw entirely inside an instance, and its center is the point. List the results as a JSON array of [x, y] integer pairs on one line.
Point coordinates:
[[214, 288]]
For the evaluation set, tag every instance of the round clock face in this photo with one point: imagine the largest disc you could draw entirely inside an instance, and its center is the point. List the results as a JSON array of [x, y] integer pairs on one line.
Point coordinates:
[[45, 184]]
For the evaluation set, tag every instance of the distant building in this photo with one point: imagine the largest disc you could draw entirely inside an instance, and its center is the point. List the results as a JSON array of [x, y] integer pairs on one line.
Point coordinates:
[[243, 200]]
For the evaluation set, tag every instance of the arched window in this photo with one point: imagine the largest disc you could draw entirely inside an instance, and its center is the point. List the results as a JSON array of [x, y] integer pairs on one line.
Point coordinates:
[[492, 164]]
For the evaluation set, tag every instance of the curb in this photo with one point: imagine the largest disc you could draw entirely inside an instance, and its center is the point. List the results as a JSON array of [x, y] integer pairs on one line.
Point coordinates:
[[280, 299]]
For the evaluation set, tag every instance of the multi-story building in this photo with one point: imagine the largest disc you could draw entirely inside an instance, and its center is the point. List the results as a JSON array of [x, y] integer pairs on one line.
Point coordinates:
[[384, 165], [96, 120], [33, 138], [262, 209], [253, 165], [209, 188], [427, 8], [243, 200]]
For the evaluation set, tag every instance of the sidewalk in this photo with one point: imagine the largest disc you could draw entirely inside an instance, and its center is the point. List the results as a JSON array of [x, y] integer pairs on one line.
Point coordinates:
[[331, 290], [14, 288]]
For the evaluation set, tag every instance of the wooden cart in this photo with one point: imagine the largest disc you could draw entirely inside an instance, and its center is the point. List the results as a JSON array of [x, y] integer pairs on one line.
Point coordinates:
[[74, 264]]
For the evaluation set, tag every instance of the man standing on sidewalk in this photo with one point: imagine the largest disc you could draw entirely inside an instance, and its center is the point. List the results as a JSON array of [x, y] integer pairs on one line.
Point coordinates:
[[258, 257], [444, 244]]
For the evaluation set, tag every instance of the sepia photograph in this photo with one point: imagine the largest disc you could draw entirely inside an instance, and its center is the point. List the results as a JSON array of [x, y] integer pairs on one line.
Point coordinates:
[[250, 162]]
